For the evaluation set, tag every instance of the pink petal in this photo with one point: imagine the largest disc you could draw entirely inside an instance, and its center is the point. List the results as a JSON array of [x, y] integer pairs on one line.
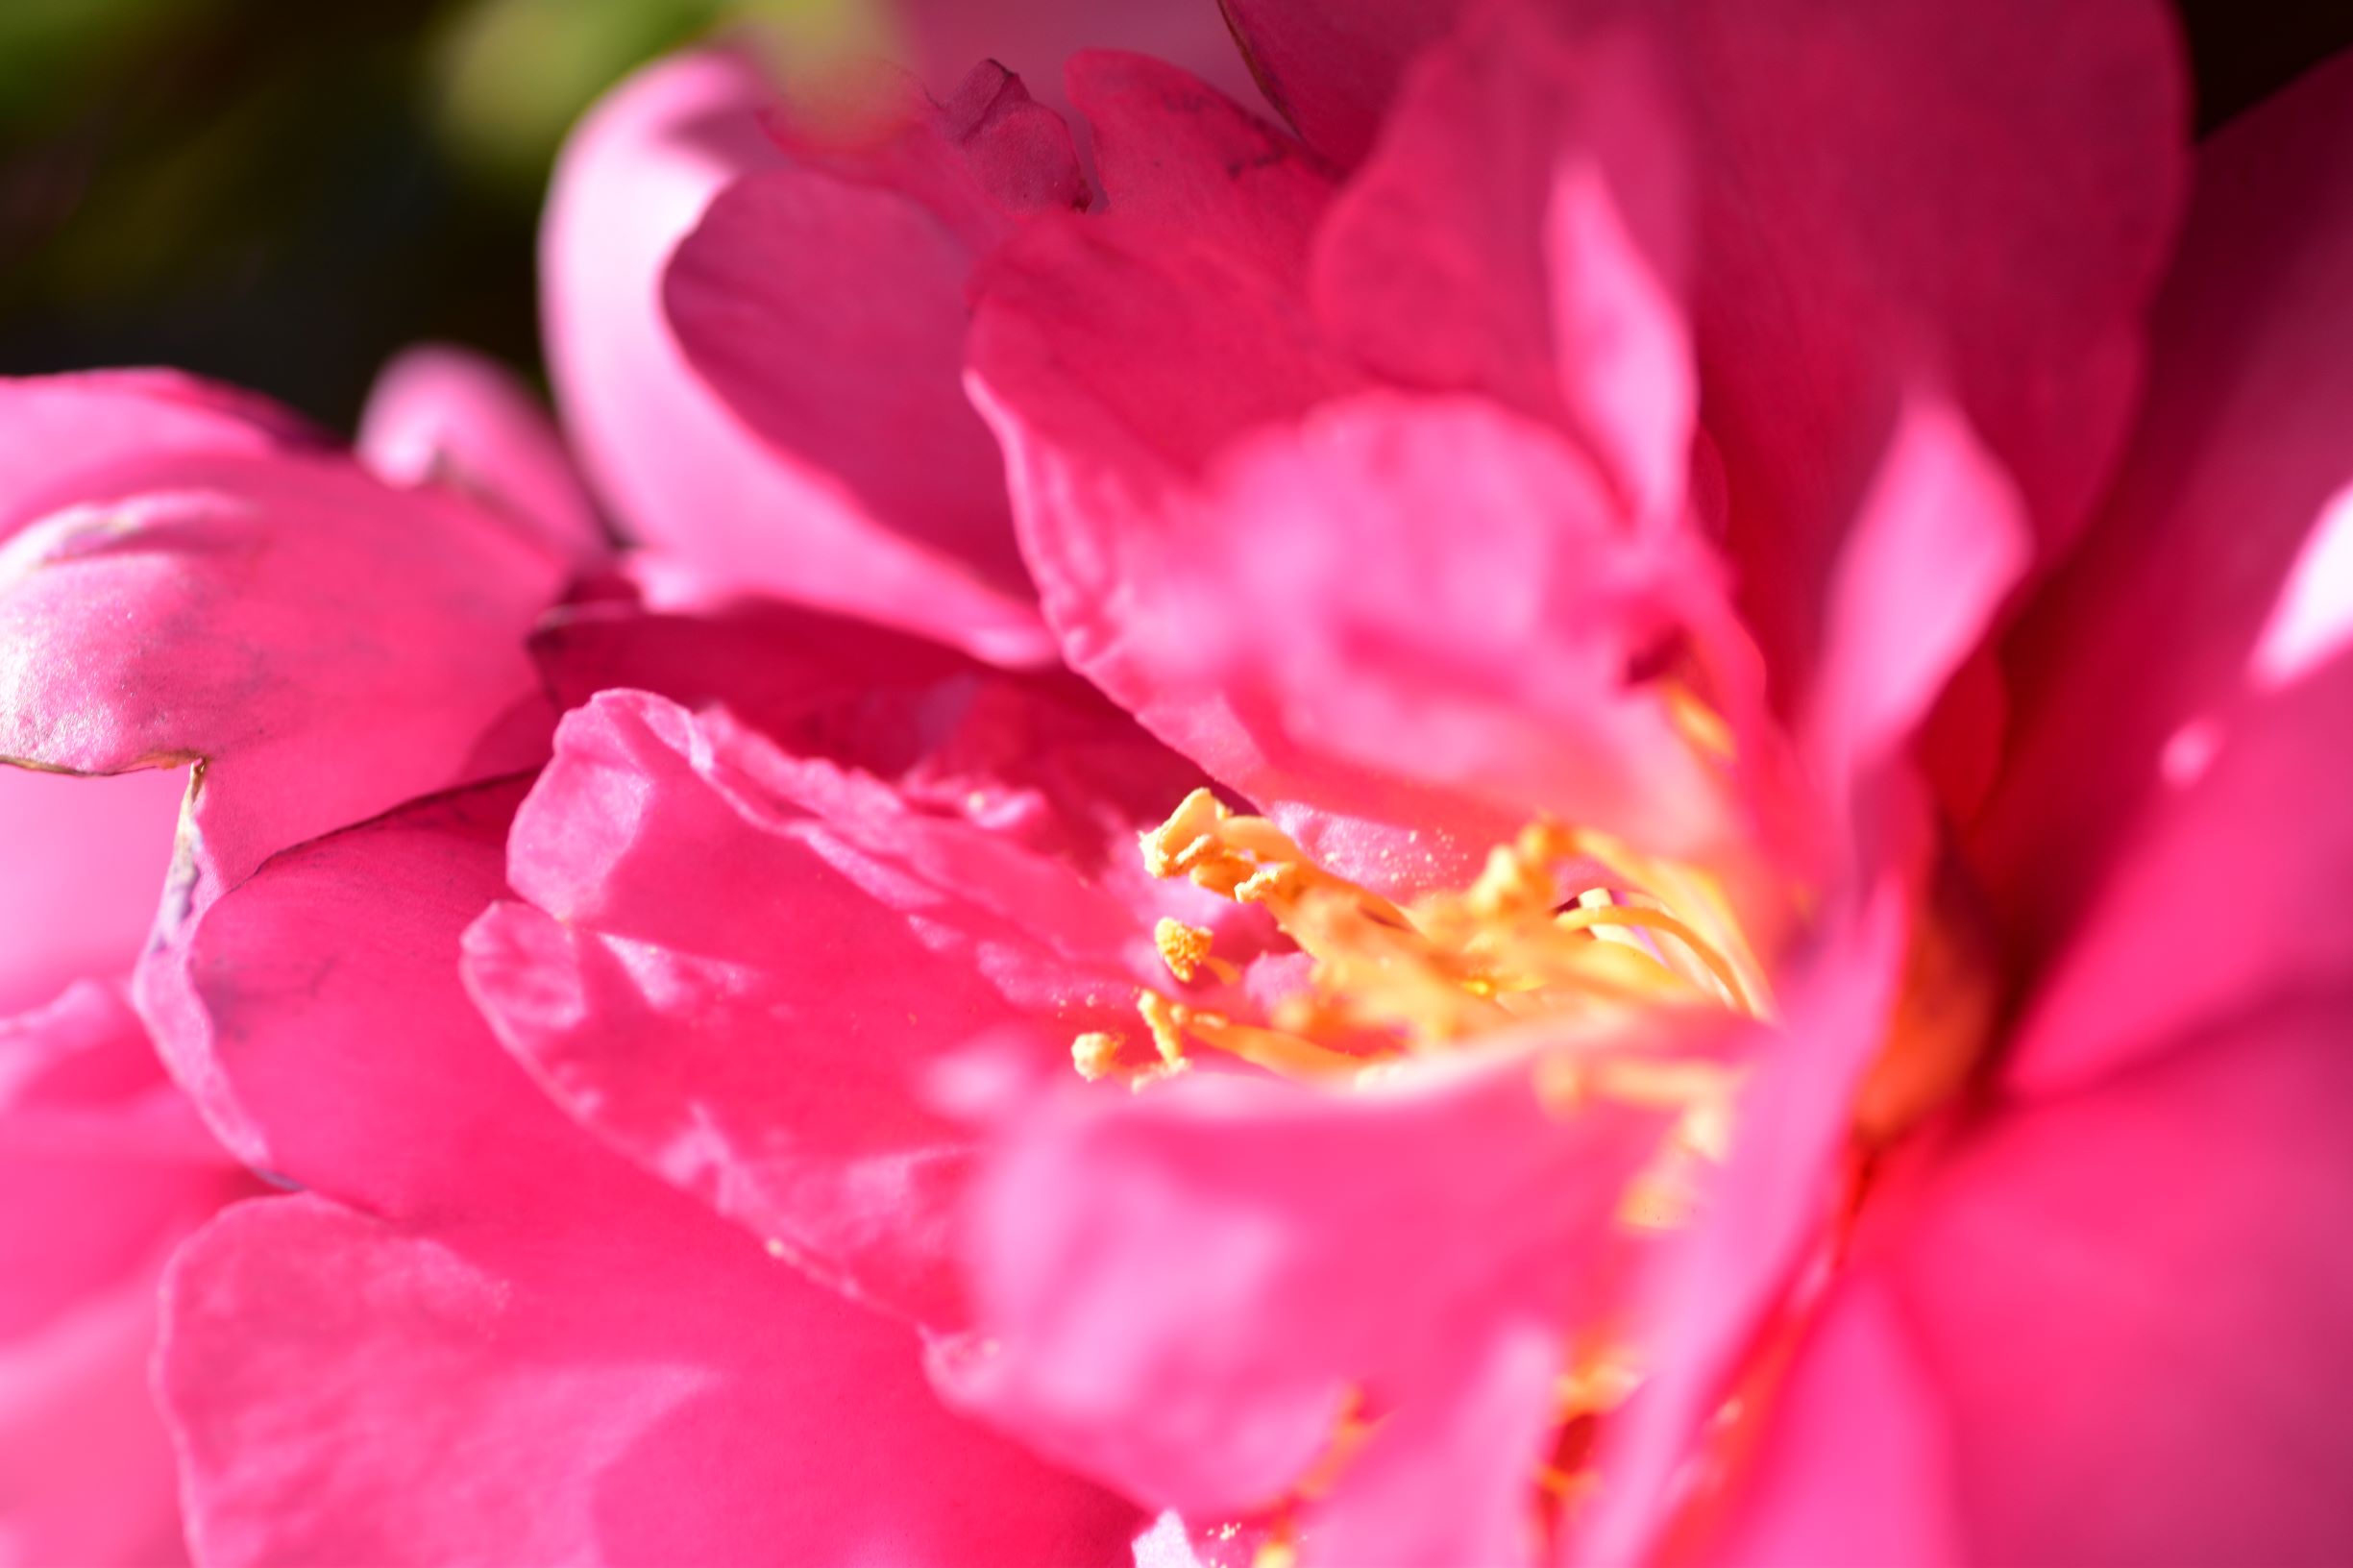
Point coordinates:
[[1872, 212], [829, 312], [328, 648], [1039, 757], [1118, 357], [54, 428], [2167, 749], [84, 860], [662, 449], [1938, 542], [1325, 582], [1034, 37], [447, 415], [1331, 68], [1521, 233], [105, 1169], [1853, 1465], [85, 1468], [638, 1385], [740, 964], [1765, 1217], [1180, 1290], [333, 1033], [104, 1162], [2135, 1301]]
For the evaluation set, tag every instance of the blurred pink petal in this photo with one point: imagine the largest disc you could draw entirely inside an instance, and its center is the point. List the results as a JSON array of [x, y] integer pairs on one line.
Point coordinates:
[[1861, 1407], [677, 465], [1185, 1294], [106, 1168], [2158, 757], [1521, 231], [451, 415], [1033, 39], [1323, 582], [1331, 68], [2100, 1285], [85, 862]]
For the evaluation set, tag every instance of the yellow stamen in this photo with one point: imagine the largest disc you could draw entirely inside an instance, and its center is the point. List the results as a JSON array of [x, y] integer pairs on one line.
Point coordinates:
[[1286, 1055], [1096, 1053], [1659, 919]]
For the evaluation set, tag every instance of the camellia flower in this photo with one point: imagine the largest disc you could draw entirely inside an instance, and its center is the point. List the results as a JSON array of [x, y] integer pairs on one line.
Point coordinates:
[[1589, 817]]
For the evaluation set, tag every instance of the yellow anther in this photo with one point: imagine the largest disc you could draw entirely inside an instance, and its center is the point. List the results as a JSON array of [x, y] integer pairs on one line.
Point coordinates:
[[1194, 819], [1096, 1053], [1511, 884], [1182, 947], [1164, 1019], [1586, 918]]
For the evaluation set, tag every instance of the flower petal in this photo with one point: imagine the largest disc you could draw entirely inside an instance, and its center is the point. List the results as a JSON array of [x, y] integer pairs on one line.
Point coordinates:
[[84, 860], [1938, 542], [106, 1168], [334, 1034], [1331, 68], [1521, 231], [1185, 1292], [637, 1386], [1034, 37], [1859, 1407], [326, 646], [104, 1162], [1874, 212], [2184, 707], [1767, 1213], [55, 429], [740, 962], [2102, 1282], [443, 413], [859, 263], [1330, 582], [662, 449]]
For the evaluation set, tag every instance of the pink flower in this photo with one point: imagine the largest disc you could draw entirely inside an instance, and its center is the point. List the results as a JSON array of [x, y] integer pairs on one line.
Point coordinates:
[[1398, 1323], [1727, 713]]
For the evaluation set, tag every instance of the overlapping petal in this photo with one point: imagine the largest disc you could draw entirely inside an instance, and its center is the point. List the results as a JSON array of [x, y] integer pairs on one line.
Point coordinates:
[[1331, 69], [1187, 1295], [106, 1168], [472, 1259], [738, 965], [440, 413], [1442, 595], [404, 612], [84, 860], [677, 464], [2188, 683], [1825, 278], [1524, 231]]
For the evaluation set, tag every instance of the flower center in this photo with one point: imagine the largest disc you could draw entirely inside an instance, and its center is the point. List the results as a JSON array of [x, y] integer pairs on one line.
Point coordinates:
[[1559, 924], [1569, 928]]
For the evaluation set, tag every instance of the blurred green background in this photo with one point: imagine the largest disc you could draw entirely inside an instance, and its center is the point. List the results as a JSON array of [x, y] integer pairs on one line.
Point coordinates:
[[282, 192]]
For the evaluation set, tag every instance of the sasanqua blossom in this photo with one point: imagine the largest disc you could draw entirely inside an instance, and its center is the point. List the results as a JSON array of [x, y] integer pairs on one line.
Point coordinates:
[[1587, 811]]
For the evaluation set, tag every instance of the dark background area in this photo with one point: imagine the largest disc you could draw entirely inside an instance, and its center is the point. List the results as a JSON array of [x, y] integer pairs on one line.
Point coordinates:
[[280, 193]]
